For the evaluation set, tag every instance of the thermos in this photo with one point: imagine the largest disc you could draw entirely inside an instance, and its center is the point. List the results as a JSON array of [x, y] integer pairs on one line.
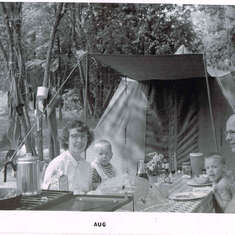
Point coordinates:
[[28, 175]]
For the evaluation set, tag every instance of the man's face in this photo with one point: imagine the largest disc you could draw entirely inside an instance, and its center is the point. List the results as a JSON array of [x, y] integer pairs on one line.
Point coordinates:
[[230, 132], [214, 169], [77, 141]]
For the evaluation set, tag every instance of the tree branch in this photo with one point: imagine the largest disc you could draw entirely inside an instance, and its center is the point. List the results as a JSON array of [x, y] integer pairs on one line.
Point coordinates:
[[59, 15], [5, 56]]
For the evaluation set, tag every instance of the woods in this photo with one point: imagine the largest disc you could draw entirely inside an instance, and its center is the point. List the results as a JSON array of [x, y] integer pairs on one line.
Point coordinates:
[[41, 43]]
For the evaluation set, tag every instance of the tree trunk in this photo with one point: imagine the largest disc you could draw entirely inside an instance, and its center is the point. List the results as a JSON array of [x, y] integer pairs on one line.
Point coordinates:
[[17, 74], [59, 80], [51, 116]]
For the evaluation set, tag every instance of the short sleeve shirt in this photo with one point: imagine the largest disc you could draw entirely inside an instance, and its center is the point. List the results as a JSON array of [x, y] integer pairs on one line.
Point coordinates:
[[78, 173]]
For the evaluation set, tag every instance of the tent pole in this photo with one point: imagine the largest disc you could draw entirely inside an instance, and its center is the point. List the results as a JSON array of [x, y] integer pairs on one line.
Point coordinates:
[[210, 105], [85, 93]]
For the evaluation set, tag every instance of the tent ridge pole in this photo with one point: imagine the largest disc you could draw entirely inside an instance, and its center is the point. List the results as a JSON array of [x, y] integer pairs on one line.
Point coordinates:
[[210, 104]]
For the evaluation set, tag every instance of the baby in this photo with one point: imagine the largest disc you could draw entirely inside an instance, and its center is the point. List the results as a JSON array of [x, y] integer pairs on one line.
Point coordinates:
[[102, 169], [223, 185]]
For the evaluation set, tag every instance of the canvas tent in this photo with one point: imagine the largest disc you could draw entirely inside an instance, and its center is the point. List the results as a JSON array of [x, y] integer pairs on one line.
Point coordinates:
[[162, 105]]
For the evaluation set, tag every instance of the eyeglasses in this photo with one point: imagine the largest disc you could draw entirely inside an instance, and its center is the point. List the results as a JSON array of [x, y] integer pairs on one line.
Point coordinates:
[[226, 133]]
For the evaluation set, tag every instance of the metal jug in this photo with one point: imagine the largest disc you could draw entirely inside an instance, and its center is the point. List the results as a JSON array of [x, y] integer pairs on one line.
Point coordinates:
[[28, 175]]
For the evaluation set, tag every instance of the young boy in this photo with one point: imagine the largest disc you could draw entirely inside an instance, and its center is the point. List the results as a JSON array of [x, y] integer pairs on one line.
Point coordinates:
[[102, 168], [223, 185]]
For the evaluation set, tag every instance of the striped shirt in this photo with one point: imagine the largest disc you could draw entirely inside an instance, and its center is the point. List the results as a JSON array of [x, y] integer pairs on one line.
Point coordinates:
[[101, 173]]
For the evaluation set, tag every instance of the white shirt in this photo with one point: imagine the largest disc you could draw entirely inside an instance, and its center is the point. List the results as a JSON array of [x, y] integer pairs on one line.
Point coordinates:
[[78, 173]]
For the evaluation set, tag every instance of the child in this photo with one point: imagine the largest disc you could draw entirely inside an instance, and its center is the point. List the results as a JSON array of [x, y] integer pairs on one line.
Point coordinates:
[[102, 168], [222, 184]]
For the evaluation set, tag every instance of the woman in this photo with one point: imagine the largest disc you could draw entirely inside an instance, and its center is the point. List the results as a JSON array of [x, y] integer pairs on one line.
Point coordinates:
[[70, 171]]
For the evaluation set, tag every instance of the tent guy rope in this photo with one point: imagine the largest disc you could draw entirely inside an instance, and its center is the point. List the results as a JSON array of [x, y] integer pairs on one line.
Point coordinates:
[[53, 98]]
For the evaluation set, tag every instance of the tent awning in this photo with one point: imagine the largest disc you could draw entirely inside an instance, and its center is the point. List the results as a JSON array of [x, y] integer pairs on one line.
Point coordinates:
[[165, 67]]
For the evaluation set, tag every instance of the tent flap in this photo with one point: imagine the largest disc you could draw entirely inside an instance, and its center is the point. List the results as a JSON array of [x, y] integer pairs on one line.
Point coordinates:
[[169, 67], [172, 126], [227, 85]]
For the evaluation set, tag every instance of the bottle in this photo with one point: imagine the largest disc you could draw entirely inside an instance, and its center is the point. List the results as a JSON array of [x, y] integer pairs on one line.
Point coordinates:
[[186, 168], [141, 171], [164, 163], [173, 164], [167, 167], [63, 183], [168, 174]]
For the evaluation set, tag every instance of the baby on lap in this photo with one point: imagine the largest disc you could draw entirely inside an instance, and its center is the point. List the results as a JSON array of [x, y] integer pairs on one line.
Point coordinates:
[[223, 185], [102, 169]]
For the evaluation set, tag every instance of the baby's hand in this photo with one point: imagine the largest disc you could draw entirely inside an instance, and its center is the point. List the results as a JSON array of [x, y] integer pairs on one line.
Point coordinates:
[[221, 186], [214, 188]]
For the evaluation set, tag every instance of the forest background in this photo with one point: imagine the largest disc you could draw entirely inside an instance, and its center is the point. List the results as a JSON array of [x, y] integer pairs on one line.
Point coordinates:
[[47, 44]]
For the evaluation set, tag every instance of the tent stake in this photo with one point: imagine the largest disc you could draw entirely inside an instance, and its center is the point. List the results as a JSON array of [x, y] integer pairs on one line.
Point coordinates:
[[210, 105]]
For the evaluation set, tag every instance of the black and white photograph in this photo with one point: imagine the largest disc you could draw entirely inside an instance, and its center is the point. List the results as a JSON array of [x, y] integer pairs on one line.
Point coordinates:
[[117, 107]]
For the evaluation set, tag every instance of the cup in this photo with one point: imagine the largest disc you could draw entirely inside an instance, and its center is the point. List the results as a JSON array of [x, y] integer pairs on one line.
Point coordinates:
[[197, 163]]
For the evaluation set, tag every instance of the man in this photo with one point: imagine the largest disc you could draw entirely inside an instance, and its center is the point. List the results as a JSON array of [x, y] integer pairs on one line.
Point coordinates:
[[230, 132], [230, 138]]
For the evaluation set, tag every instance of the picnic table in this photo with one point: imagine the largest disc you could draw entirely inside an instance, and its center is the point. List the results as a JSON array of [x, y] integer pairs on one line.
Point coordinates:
[[156, 198], [53, 200], [59, 200], [146, 197]]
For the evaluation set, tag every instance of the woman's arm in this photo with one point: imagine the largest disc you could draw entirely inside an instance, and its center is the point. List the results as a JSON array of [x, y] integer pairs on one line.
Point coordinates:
[[52, 175], [223, 193], [223, 199]]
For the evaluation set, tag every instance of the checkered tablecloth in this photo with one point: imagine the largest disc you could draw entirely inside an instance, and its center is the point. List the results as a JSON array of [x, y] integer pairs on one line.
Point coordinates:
[[155, 198], [202, 205]]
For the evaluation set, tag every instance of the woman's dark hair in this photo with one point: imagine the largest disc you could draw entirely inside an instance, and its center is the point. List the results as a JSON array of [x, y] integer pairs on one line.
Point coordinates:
[[82, 127]]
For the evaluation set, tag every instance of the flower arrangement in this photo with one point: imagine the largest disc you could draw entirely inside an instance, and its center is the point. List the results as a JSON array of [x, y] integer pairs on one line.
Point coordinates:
[[155, 164]]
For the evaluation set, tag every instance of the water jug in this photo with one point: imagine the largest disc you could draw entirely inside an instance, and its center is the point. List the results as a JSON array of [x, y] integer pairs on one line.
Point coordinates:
[[28, 175]]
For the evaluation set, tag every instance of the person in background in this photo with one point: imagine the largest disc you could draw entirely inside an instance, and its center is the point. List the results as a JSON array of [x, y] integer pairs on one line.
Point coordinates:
[[230, 132], [230, 138], [70, 171], [222, 184], [102, 168]]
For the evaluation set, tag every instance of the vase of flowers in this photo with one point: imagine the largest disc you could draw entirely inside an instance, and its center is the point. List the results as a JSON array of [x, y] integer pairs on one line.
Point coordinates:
[[154, 166]]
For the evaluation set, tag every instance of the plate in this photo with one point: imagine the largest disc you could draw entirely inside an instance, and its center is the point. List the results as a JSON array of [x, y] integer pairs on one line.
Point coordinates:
[[195, 184], [186, 196]]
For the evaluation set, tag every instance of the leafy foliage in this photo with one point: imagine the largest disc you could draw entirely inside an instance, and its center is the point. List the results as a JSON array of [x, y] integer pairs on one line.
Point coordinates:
[[112, 28], [137, 28], [215, 25], [72, 101]]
